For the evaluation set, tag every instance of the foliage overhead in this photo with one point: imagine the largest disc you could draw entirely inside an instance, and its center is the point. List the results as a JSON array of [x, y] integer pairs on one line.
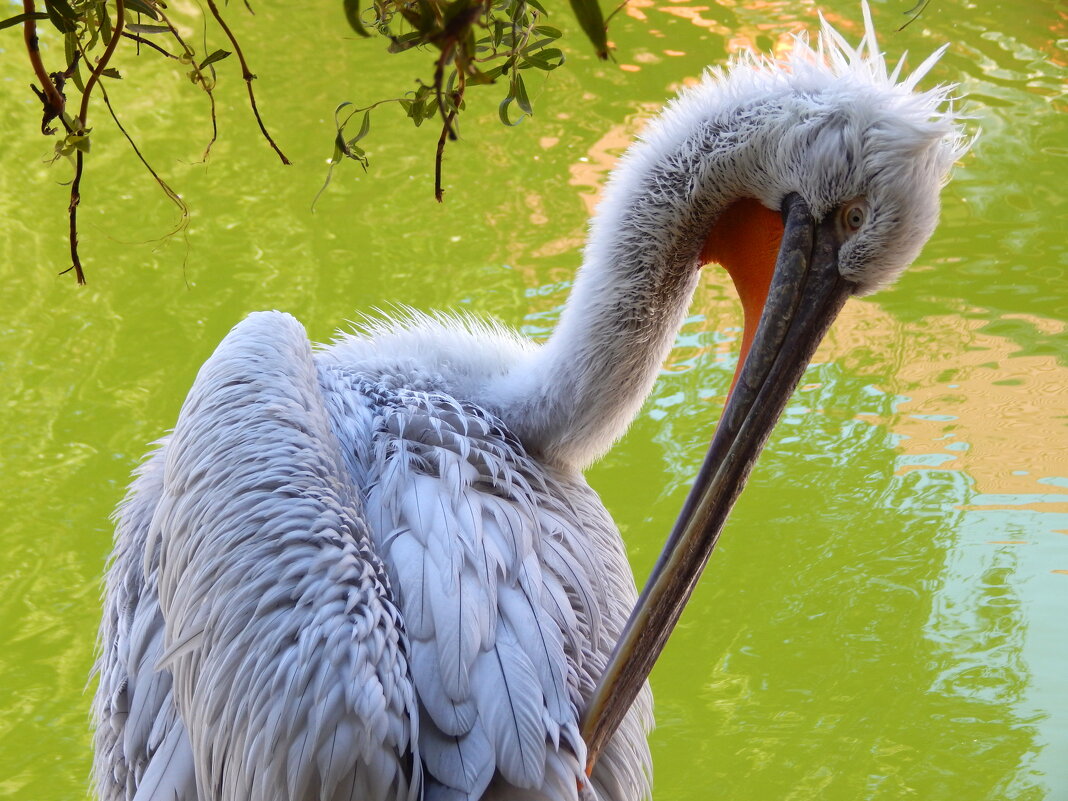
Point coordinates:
[[472, 43]]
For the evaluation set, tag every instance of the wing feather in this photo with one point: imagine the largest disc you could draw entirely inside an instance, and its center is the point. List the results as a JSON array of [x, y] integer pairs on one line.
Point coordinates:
[[463, 525], [458, 767], [452, 717], [542, 644], [510, 700], [284, 658], [170, 773]]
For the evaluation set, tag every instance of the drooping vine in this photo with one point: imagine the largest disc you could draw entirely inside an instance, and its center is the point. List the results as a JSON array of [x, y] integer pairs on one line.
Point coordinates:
[[92, 31]]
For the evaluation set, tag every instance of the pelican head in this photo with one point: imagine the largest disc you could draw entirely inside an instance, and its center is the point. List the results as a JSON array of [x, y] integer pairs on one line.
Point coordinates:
[[810, 177]]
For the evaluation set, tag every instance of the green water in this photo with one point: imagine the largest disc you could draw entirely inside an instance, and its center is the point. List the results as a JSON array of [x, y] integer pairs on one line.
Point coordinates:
[[886, 616]]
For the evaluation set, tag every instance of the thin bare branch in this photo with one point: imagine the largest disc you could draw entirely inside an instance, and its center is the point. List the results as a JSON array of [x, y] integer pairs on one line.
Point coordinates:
[[615, 11], [207, 85], [75, 199], [101, 65], [916, 11], [249, 76], [142, 41], [174, 197], [439, 94], [446, 129], [81, 122]]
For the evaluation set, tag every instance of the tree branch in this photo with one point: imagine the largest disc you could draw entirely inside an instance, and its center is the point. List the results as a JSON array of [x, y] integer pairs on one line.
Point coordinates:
[[173, 196], [81, 122], [446, 131], [205, 84], [248, 75], [50, 95], [144, 41], [101, 65]]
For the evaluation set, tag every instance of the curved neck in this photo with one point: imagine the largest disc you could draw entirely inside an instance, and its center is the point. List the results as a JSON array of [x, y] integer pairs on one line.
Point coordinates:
[[579, 392]]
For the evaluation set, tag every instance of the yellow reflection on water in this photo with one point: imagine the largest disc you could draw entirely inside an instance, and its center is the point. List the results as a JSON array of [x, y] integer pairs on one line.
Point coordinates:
[[998, 407]]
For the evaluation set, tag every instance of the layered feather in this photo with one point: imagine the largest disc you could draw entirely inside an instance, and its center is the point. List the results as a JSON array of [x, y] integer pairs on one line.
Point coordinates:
[[507, 623], [275, 627]]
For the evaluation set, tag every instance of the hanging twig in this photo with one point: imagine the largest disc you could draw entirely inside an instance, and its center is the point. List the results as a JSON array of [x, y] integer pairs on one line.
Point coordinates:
[[439, 94], [914, 13], [615, 11], [205, 84], [248, 75], [142, 41], [101, 65], [173, 196], [446, 131], [81, 130]]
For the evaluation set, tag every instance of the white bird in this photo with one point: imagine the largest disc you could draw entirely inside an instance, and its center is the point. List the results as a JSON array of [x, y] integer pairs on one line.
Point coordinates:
[[374, 571]]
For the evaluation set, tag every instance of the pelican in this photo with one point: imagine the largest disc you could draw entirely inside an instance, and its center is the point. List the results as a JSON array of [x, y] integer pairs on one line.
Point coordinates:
[[374, 571]]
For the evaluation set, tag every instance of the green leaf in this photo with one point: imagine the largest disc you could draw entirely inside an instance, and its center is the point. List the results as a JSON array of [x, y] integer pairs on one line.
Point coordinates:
[[537, 5], [76, 142], [111, 72], [415, 109], [61, 15], [352, 14], [105, 24], [419, 113], [487, 77], [521, 98], [365, 128], [343, 150], [339, 149], [70, 51], [548, 59], [536, 45], [338, 124], [20, 18], [502, 111], [94, 35], [547, 30], [141, 7], [588, 13], [215, 57], [406, 41], [149, 29]]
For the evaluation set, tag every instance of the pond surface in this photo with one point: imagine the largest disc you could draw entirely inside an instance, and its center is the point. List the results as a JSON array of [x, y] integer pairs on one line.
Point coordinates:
[[886, 615]]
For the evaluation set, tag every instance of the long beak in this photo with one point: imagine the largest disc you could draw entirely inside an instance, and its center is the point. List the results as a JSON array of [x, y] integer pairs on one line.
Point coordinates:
[[805, 296]]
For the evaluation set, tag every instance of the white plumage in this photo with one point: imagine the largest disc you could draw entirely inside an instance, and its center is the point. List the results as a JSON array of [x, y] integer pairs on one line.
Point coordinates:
[[375, 572]]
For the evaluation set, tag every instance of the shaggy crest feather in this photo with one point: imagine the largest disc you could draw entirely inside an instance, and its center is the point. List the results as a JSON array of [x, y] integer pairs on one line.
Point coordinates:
[[862, 127]]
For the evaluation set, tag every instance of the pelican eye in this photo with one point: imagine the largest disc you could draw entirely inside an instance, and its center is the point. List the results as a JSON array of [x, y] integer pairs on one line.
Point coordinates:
[[852, 216]]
